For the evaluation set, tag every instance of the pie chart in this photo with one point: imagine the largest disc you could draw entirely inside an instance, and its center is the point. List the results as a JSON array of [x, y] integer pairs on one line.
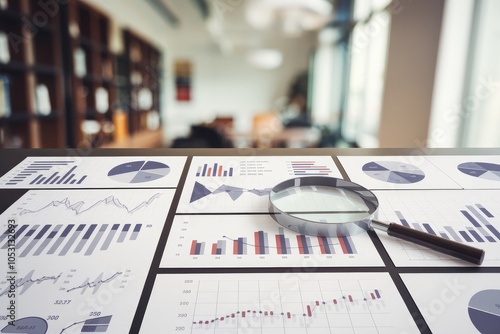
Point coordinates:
[[393, 172], [482, 170], [139, 171], [484, 311]]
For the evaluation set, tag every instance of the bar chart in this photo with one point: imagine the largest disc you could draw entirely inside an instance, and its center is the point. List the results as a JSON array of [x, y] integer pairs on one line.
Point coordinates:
[[215, 169], [279, 303], [242, 184], [40, 172], [309, 168], [94, 172], [465, 216], [256, 240]]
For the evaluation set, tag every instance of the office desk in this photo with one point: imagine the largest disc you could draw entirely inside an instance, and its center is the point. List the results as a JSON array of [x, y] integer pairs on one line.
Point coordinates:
[[180, 241]]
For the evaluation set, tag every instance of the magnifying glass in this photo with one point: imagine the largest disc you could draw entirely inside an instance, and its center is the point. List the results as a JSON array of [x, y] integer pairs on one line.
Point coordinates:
[[331, 207]]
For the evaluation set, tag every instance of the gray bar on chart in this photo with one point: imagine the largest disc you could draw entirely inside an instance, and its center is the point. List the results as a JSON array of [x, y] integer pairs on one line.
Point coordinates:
[[27, 236], [70, 242], [35, 241], [47, 240], [96, 240], [18, 233], [66, 175], [417, 227], [51, 177], [136, 231], [85, 238], [110, 237], [483, 220], [221, 244], [59, 240], [36, 179], [123, 233], [453, 234]]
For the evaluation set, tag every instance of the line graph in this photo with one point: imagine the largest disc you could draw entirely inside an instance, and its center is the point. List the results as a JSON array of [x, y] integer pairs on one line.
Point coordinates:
[[28, 281], [95, 284], [78, 207], [200, 191], [278, 303]]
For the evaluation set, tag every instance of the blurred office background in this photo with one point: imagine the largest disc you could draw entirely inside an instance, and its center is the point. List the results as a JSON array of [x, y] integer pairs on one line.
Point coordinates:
[[249, 73]]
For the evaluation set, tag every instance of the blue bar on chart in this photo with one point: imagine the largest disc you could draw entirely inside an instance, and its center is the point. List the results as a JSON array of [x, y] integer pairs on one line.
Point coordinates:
[[47, 240], [402, 219], [124, 232], [96, 240], [213, 170], [347, 245], [282, 243], [240, 246], [484, 211], [39, 167], [326, 245], [18, 233], [135, 232], [483, 219], [197, 248], [304, 244], [35, 240], [73, 238], [309, 168], [26, 236], [261, 242], [85, 238], [219, 248], [110, 237], [60, 239], [96, 325]]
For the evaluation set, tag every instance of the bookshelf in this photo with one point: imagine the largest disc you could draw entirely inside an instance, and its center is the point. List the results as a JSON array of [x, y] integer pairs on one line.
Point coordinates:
[[92, 76], [141, 71], [62, 85], [30, 66]]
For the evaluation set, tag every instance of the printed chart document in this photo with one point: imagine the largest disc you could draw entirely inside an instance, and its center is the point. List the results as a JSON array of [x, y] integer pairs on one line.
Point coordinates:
[[395, 172], [242, 184], [82, 257], [258, 241], [467, 216], [95, 172], [289, 303], [470, 172], [457, 303]]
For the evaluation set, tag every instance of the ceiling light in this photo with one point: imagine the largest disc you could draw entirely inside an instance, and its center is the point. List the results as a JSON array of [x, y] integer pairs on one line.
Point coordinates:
[[267, 59], [294, 16]]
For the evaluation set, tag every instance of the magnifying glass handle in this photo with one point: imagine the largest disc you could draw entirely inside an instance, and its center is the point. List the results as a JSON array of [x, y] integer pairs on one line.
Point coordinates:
[[446, 246]]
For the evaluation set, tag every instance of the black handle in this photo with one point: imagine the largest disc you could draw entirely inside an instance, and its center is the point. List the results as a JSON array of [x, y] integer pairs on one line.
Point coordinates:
[[446, 246]]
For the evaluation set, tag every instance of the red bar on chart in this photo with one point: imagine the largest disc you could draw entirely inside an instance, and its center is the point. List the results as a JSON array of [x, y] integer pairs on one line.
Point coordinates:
[[193, 247], [309, 311]]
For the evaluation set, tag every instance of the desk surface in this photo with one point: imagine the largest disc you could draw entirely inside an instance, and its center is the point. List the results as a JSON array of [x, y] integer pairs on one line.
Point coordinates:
[[180, 241]]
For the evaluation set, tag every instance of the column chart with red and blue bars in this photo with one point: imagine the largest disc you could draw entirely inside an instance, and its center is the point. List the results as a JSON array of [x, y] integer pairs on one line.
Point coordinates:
[[215, 169]]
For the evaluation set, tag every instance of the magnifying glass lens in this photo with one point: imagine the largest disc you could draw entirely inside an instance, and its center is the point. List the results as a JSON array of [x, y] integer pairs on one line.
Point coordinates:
[[321, 204]]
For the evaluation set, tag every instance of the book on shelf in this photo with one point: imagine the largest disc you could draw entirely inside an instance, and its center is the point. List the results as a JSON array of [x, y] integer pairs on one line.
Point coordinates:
[[4, 47], [43, 106], [80, 62], [101, 100], [5, 106]]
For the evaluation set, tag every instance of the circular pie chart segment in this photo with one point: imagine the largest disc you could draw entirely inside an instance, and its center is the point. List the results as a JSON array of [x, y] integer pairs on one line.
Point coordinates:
[[139, 171], [482, 170], [393, 172], [484, 311]]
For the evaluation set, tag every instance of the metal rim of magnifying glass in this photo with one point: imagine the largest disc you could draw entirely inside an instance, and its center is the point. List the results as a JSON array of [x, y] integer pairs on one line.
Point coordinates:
[[317, 228]]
